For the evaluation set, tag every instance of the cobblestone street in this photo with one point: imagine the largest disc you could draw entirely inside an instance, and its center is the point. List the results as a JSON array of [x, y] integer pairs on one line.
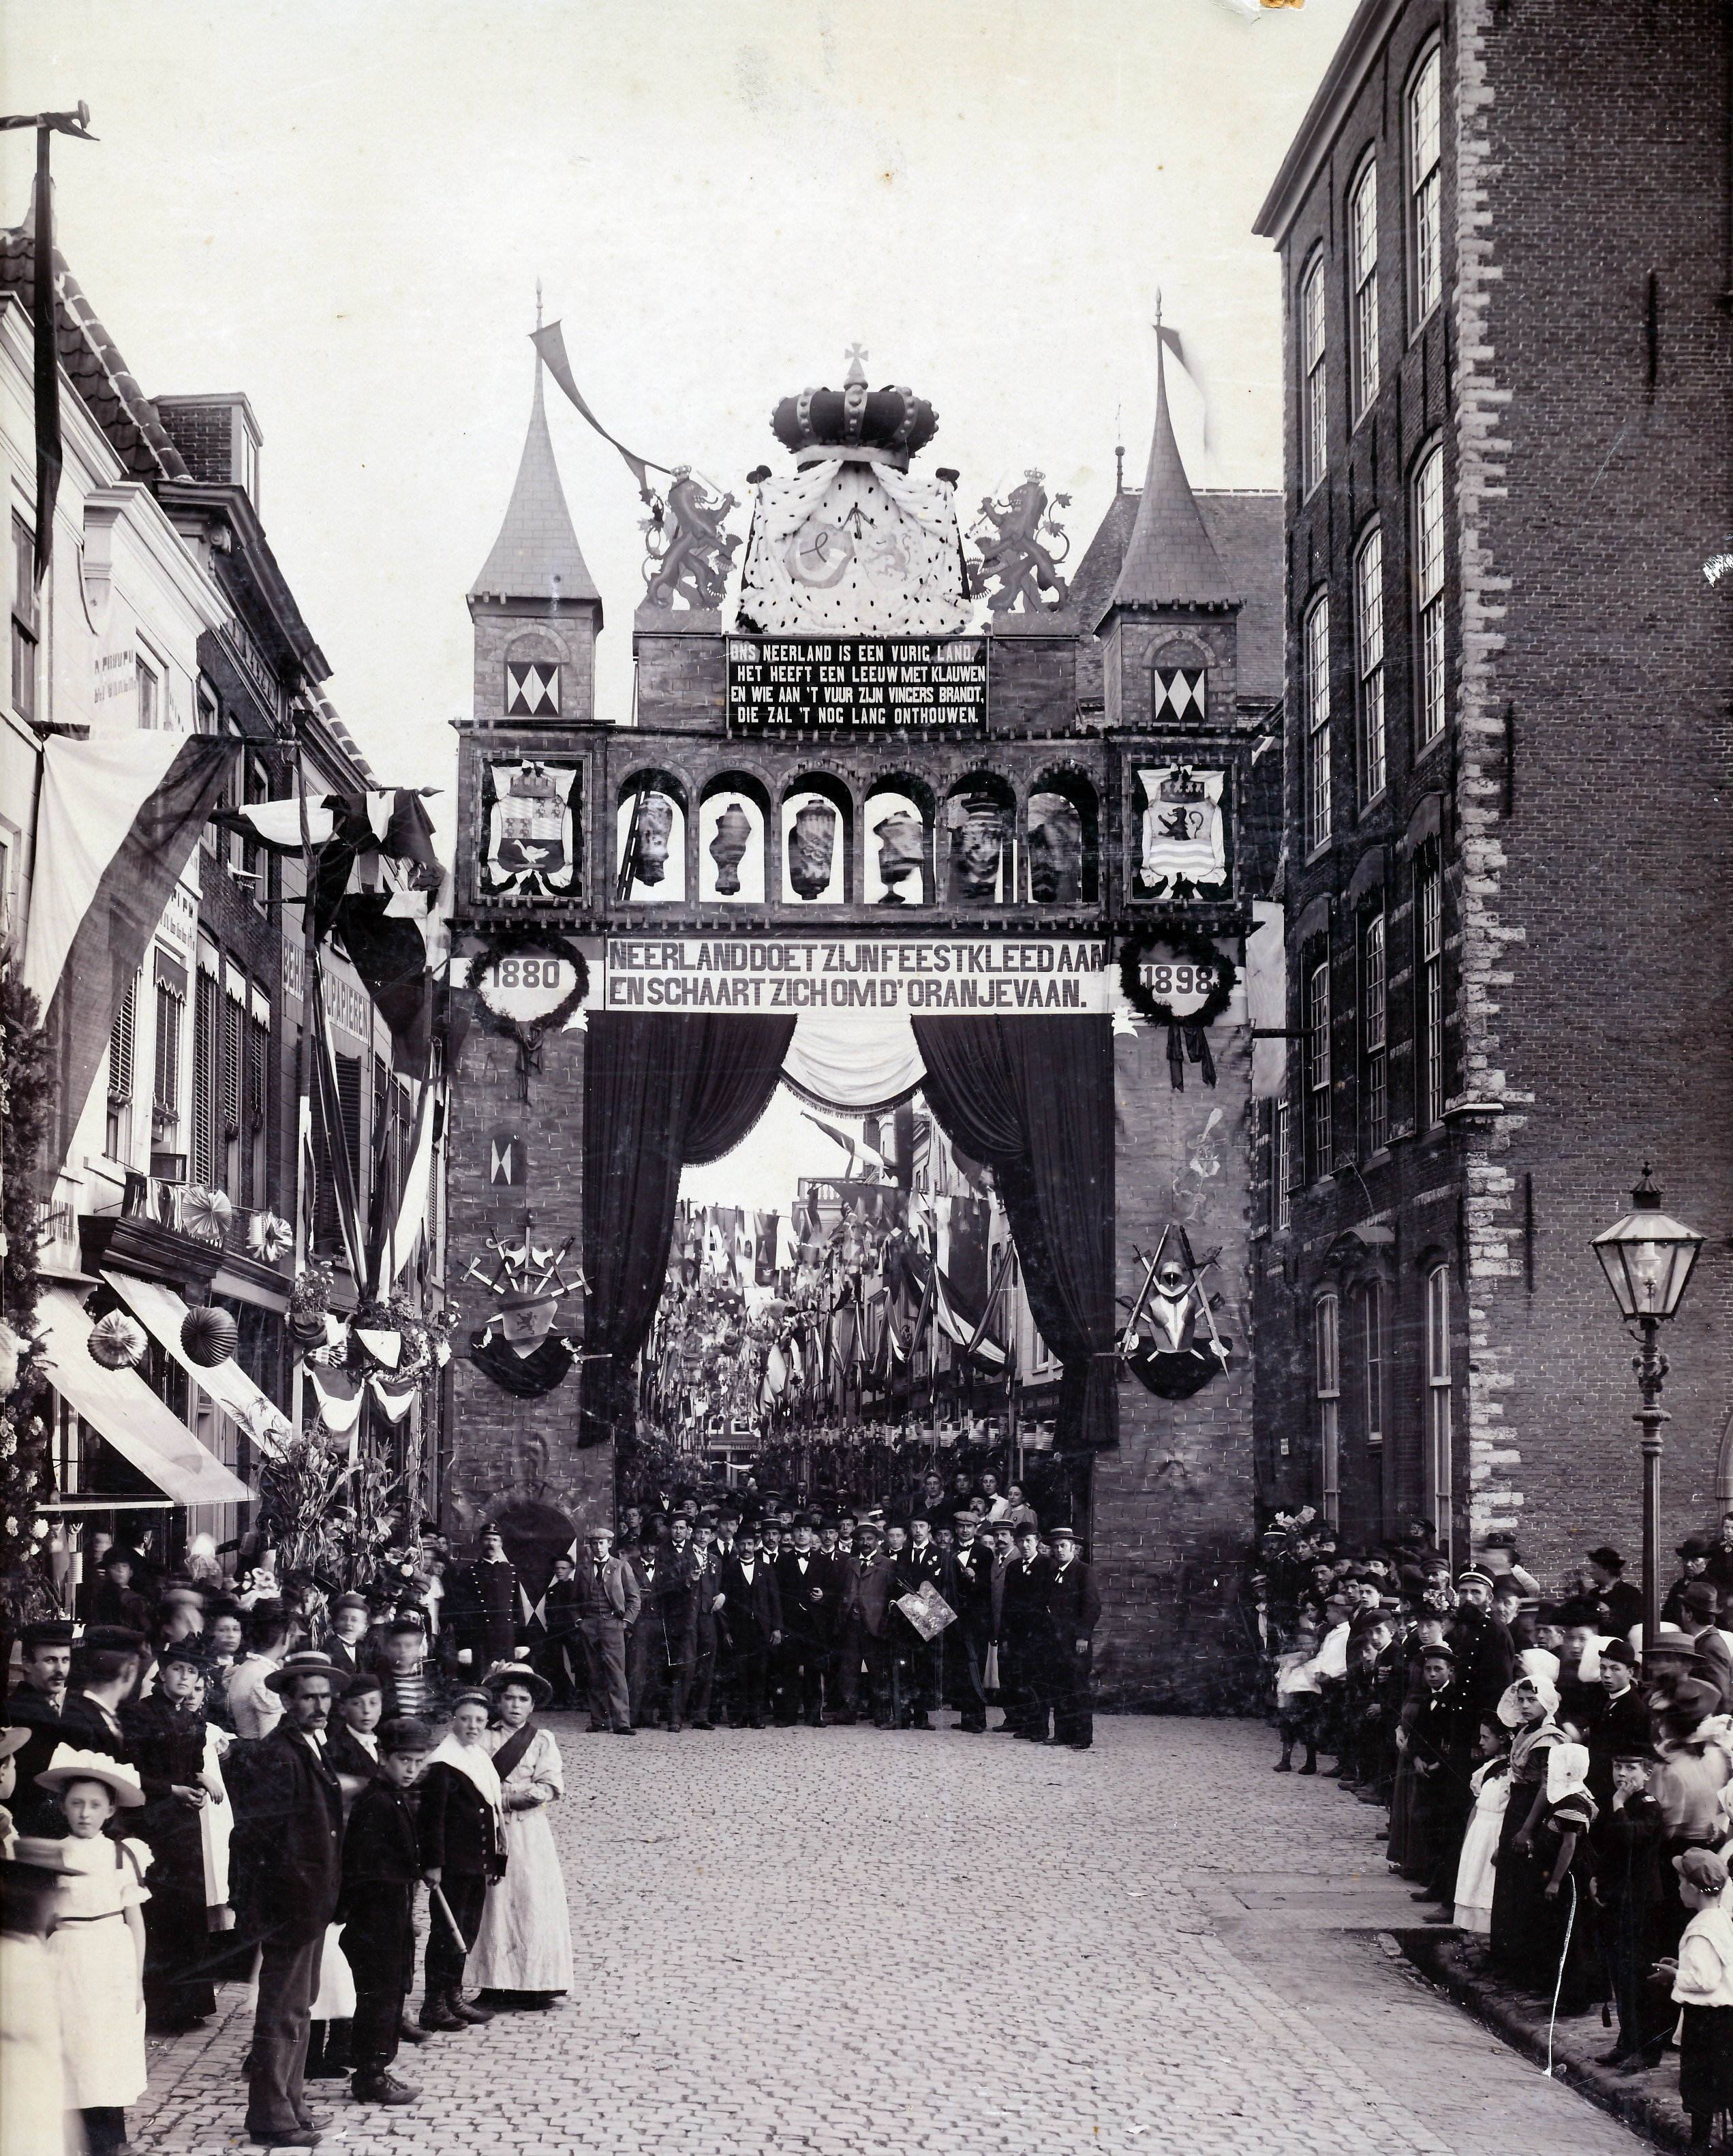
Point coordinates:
[[845, 1941]]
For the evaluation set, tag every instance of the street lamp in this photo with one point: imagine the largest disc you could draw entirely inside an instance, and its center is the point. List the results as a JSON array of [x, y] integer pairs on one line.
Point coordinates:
[[1648, 1259]]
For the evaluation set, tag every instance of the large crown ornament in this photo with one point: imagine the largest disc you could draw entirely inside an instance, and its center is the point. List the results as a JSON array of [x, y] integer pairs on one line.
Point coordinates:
[[855, 423]]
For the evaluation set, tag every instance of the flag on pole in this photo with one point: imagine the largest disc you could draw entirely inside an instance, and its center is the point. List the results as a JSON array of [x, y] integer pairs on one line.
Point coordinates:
[[551, 344], [118, 820]]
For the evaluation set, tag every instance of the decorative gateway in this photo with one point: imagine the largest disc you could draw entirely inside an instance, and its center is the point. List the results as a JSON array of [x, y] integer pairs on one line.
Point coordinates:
[[852, 545], [532, 828]]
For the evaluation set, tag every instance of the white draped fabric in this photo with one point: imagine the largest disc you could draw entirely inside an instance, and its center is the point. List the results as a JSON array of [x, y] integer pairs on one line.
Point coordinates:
[[846, 549], [854, 1059]]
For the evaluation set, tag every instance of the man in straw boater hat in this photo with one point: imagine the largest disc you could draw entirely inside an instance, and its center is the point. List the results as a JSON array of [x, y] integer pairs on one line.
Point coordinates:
[[287, 1868], [1073, 1608], [608, 1601]]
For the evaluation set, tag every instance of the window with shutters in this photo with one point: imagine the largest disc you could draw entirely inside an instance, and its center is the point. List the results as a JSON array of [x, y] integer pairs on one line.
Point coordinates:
[[1375, 1071], [234, 1022], [206, 995], [1313, 415], [1429, 594], [1363, 274], [1282, 1145], [122, 1040], [1321, 1150], [1369, 662], [327, 1228], [1315, 659], [253, 1135], [1328, 1386], [26, 619], [1426, 258], [166, 1085]]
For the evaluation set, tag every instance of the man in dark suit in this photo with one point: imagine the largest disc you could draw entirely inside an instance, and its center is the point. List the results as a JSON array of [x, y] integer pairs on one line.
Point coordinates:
[[109, 1657], [37, 1703], [1485, 1660], [681, 1583], [854, 1636], [644, 1657], [1074, 1609], [1026, 1638], [287, 1866], [922, 1561], [560, 1658], [752, 1614], [806, 1582], [967, 1584], [706, 1636]]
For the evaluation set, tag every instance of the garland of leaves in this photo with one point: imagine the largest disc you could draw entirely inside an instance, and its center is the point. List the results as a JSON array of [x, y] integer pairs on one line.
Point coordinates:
[[1188, 1034], [26, 1110], [528, 1033]]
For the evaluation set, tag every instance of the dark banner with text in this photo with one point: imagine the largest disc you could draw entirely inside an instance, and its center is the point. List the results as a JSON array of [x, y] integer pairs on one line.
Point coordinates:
[[777, 681]]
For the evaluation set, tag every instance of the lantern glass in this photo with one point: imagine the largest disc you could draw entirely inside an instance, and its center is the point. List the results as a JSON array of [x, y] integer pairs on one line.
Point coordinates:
[[1648, 1258]]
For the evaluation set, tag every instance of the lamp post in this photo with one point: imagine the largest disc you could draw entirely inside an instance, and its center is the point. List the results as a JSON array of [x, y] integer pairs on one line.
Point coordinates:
[[1648, 1259]]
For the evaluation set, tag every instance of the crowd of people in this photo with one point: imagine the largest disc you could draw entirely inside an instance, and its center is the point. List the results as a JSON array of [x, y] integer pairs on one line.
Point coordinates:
[[1558, 1787], [266, 1785]]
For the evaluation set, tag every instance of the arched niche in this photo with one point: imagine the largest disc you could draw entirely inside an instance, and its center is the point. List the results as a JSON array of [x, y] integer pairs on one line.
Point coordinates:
[[898, 849], [733, 821], [1062, 840], [815, 844], [650, 840], [536, 643], [977, 841]]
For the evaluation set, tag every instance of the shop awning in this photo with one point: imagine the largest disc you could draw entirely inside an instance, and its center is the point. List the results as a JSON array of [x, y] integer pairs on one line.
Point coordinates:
[[128, 1414], [162, 1313]]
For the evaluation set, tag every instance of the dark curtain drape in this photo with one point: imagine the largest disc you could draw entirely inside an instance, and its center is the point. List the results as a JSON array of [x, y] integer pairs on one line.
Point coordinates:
[[1033, 1096], [660, 1090]]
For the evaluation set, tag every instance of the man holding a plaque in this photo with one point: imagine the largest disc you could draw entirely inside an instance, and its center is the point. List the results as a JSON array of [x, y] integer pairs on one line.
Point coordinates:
[[918, 1567]]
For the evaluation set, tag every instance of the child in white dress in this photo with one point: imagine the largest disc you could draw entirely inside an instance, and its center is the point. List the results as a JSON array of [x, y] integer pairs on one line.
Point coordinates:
[[1490, 1783], [522, 1955], [98, 1945]]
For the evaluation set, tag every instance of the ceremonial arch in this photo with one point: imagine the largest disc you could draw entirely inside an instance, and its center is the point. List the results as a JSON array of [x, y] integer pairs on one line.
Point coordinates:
[[973, 860]]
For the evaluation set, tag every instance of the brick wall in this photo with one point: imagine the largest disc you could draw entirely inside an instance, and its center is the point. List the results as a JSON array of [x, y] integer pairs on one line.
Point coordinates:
[[1172, 1506], [204, 435], [509, 1457]]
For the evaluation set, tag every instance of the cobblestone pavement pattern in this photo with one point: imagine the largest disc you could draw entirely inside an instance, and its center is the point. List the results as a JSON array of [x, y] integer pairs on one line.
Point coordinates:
[[843, 1942]]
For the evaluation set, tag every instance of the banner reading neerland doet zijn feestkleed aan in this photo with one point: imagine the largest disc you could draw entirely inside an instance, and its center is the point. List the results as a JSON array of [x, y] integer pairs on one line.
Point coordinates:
[[867, 974]]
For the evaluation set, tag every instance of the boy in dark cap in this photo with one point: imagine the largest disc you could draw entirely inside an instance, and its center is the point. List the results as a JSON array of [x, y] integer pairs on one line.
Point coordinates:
[[1440, 1741], [1625, 1844], [1623, 1728], [382, 1864]]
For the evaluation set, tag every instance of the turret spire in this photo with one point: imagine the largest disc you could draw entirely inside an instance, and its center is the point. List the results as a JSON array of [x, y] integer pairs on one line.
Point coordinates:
[[1172, 559], [536, 555]]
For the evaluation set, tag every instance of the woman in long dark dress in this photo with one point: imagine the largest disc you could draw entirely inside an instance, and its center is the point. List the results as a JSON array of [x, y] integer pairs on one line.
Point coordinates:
[[1521, 1944]]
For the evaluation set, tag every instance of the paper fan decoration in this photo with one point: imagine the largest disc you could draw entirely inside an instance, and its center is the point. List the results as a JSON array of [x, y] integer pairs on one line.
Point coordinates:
[[207, 1335], [269, 1238], [205, 1212], [118, 1342]]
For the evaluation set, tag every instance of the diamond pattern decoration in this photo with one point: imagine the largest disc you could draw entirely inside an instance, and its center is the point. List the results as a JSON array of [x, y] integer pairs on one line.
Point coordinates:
[[1180, 692], [532, 689]]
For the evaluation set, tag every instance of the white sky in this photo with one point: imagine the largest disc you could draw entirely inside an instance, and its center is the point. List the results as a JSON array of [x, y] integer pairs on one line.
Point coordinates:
[[342, 207]]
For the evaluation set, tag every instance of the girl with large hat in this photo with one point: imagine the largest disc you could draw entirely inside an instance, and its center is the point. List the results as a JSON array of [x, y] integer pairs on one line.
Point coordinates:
[[98, 1945], [522, 1956]]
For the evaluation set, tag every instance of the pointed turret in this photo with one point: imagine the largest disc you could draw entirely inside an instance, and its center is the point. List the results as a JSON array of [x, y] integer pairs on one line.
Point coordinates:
[[536, 555], [1172, 559]]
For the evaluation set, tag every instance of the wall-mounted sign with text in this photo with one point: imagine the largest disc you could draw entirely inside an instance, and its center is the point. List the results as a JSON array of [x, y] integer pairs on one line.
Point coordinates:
[[870, 976], [857, 682]]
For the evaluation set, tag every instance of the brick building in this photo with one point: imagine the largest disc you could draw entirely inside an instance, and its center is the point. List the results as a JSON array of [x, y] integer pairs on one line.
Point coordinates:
[[1504, 235], [1163, 656]]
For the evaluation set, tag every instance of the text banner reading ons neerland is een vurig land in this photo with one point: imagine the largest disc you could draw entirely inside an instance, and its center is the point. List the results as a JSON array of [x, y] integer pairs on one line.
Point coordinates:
[[871, 976], [856, 681]]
